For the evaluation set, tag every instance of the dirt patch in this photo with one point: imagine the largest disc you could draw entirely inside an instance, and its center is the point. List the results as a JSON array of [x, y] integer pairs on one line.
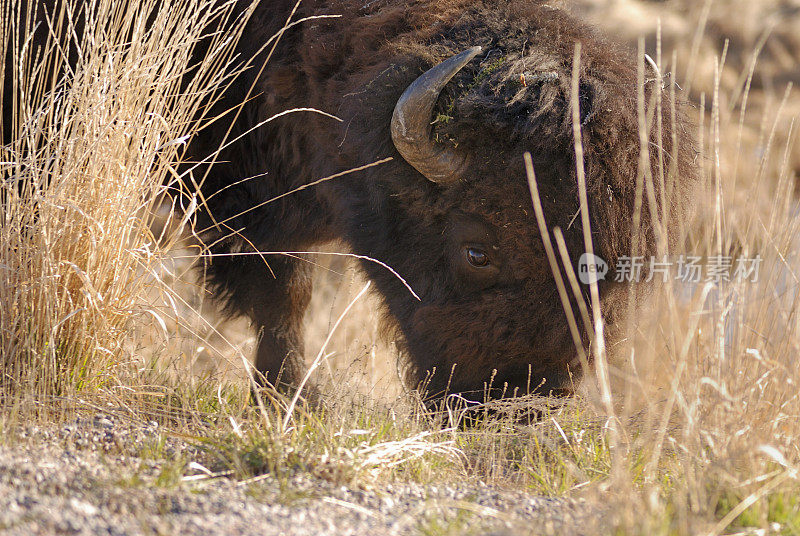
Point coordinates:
[[98, 475]]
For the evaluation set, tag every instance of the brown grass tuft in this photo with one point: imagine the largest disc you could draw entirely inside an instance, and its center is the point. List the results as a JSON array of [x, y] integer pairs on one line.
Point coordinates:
[[95, 151]]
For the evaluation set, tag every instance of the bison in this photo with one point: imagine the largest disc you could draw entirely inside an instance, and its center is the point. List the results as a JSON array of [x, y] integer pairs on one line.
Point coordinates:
[[454, 92]]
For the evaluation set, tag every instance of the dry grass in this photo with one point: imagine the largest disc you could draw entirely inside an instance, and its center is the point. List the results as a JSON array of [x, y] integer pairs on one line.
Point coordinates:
[[694, 429], [95, 149]]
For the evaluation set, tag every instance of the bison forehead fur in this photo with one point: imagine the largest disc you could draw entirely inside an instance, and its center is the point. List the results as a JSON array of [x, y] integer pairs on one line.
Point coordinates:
[[474, 322]]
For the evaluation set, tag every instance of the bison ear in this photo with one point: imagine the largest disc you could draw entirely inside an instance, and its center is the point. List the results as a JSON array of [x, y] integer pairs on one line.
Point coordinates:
[[411, 122]]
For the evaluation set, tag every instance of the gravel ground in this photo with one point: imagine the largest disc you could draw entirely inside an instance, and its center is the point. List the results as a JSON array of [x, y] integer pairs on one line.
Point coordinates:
[[79, 479]]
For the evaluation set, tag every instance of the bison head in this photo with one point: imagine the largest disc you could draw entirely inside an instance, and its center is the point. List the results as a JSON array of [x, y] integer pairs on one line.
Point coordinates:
[[453, 213]]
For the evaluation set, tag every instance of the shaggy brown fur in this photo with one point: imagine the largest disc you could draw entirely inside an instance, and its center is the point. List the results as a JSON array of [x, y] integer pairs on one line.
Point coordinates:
[[470, 326]]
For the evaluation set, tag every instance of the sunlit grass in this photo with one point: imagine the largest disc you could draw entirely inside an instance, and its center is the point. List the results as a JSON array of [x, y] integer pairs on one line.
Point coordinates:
[[95, 148]]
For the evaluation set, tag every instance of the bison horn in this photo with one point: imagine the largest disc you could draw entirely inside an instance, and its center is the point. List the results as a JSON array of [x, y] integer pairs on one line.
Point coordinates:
[[411, 122]]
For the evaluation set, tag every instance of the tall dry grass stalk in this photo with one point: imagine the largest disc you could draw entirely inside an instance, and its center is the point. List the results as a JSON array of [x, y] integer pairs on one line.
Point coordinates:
[[710, 392], [701, 414], [95, 146]]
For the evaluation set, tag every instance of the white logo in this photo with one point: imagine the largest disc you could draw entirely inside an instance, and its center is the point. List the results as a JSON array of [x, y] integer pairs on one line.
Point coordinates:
[[591, 269]]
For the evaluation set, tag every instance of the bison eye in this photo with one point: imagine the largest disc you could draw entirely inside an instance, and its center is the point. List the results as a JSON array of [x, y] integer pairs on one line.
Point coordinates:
[[477, 257]]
